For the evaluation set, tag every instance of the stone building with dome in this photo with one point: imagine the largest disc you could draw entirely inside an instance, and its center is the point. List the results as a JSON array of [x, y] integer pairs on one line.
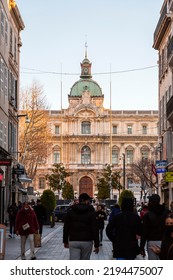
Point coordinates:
[[87, 136]]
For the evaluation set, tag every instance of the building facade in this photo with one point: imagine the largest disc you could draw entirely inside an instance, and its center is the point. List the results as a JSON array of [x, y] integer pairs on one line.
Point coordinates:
[[163, 43], [11, 25], [86, 137]]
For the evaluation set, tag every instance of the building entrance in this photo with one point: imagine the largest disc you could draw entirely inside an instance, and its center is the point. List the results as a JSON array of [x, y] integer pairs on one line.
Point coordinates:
[[86, 186]]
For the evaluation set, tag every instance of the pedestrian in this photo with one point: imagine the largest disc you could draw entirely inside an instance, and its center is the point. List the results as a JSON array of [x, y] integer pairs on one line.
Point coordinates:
[[166, 250], [101, 217], [80, 229], [115, 210], [12, 212], [26, 226], [144, 210], [40, 212], [171, 206], [124, 230], [19, 206], [153, 226]]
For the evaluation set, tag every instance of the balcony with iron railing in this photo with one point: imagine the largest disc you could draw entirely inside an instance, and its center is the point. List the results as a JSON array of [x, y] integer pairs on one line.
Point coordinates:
[[163, 23], [169, 110]]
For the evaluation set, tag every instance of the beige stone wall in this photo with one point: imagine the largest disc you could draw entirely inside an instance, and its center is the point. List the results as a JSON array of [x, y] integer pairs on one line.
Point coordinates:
[[71, 141]]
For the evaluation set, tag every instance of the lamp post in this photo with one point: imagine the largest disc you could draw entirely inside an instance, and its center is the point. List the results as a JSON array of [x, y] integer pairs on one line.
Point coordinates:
[[124, 171]]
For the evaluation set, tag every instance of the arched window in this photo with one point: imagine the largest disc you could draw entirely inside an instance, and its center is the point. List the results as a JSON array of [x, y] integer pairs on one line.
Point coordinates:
[[85, 155], [86, 128]]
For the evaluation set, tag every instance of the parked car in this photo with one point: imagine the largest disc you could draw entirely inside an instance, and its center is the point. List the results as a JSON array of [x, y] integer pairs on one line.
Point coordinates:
[[60, 212]]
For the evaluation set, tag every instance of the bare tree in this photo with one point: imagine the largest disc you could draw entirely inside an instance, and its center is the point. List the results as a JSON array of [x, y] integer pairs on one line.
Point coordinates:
[[35, 136], [143, 170]]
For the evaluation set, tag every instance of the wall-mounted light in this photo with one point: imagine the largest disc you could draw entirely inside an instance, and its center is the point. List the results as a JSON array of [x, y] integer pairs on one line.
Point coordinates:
[[27, 119]]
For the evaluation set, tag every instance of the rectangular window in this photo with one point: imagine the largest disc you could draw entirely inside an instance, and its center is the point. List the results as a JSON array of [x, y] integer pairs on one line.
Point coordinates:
[[56, 129], [129, 129], [6, 33], [86, 128], [114, 156], [56, 157], [5, 81], [2, 77], [15, 48], [41, 183], [11, 40], [2, 23], [129, 156], [115, 129], [5, 137], [144, 129], [1, 133]]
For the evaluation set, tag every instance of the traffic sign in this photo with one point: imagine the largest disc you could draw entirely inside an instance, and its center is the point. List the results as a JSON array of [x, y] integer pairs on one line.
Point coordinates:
[[161, 166]]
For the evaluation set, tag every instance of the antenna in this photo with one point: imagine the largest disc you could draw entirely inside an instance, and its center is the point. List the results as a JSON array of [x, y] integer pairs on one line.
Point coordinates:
[[86, 46]]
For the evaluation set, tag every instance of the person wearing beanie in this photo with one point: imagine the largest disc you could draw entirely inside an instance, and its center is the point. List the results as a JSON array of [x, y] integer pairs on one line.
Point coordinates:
[[80, 229]]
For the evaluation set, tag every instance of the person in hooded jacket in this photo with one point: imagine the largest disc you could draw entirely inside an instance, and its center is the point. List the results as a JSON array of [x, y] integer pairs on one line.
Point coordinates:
[[80, 229], [153, 227]]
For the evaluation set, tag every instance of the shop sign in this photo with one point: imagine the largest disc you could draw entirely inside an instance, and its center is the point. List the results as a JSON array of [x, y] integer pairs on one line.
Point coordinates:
[[161, 166], [169, 176], [5, 162]]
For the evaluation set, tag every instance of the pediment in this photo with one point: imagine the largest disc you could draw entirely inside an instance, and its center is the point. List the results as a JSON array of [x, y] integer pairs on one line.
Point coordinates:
[[86, 111]]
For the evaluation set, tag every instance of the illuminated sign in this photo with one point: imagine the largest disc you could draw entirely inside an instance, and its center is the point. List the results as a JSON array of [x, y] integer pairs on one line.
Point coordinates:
[[5, 162]]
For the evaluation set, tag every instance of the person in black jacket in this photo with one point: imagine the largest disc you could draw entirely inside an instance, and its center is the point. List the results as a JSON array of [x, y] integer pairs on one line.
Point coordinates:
[[166, 250], [153, 224], [101, 217], [80, 229], [123, 230], [40, 212]]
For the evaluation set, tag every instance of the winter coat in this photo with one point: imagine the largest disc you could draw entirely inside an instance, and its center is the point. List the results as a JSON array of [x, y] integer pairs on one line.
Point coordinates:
[[26, 216], [12, 211], [153, 224], [40, 213], [122, 230], [80, 224], [101, 218]]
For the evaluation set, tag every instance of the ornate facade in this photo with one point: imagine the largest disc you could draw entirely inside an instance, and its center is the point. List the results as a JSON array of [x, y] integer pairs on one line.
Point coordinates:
[[86, 136]]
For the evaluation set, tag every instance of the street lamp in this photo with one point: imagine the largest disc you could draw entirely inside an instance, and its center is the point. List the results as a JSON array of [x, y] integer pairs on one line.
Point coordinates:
[[27, 120], [124, 171]]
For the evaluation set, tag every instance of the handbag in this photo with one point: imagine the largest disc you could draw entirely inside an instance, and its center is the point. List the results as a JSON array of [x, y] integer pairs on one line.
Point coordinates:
[[37, 240]]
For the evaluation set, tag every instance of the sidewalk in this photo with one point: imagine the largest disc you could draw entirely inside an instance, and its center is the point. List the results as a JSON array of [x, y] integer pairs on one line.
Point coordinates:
[[53, 247]]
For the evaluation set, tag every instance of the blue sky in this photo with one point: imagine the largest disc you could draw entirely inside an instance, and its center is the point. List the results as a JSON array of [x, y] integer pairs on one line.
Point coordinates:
[[119, 38]]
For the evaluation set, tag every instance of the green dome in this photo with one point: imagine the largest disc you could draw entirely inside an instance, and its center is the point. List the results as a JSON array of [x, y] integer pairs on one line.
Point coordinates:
[[86, 85]]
